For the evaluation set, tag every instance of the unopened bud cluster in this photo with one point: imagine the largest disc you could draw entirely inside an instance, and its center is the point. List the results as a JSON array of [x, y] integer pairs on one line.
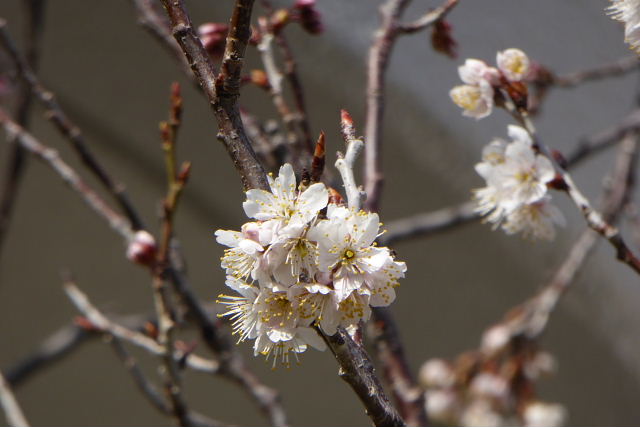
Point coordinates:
[[303, 262]]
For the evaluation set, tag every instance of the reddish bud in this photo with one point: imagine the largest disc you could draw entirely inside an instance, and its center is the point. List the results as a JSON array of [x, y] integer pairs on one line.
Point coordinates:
[[442, 40], [518, 93], [85, 324], [317, 163], [346, 126], [558, 183], [213, 36], [151, 329], [308, 16], [256, 36], [335, 197], [142, 248], [260, 79], [185, 172]]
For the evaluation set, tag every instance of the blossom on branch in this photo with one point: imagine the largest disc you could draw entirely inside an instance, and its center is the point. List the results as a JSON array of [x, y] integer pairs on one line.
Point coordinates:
[[296, 267], [628, 12], [483, 83], [516, 195]]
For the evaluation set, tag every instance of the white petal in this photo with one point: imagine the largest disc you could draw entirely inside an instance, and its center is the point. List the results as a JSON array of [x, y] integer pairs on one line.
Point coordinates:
[[311, 337], [260, 205], [228, 238], [250, 247], [312, 200]]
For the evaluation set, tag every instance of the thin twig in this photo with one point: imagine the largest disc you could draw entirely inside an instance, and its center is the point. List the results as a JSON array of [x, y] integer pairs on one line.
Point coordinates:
[[357, 370], [604, 139], [16, 161], [345, 163], [595, 219], [161, 296], [379, 54], [617, 68], [70, 130], [51, 157], [390, 351], [12, 411], [148, 390], [101, 323], [222, 90], [428, 223], [60, 343], [275, 77], [531, 318], [429, 18]]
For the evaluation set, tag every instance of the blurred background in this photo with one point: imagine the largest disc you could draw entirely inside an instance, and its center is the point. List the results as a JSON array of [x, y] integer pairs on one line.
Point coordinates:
[[113, 79]]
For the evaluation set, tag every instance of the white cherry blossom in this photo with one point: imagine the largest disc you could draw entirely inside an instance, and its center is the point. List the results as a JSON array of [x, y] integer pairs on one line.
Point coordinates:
[[513, 63], [475, 97], [516, 195], [345, 245], [628, 12], [285, 203]]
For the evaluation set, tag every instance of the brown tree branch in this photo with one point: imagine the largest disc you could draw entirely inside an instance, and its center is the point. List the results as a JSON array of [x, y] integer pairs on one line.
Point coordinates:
[[357, 370], [595, 220], [69, 129], [144, 385], [616, 68], [56, 346], [390, 351], [222, 90], [51, 157], [16, 161], [531, 318], [101, 323]]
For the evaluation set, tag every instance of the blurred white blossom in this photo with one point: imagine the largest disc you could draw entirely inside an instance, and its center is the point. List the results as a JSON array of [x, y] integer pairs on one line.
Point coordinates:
[[516, 195]]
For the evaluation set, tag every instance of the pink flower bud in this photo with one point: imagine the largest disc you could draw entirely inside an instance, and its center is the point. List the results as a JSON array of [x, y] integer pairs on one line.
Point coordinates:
[[142, 248], [309, 17], [213, 36]]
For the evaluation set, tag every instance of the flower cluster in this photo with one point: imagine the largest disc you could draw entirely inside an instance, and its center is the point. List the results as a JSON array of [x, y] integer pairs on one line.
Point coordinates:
[[628, 12], [492, 386], [476, 96], [303, 263], [516, 195]]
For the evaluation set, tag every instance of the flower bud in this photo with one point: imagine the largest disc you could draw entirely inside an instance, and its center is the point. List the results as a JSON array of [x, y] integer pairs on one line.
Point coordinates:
[[213, 36], [309, 17], [441, 39], [142, 248], [514, 64]]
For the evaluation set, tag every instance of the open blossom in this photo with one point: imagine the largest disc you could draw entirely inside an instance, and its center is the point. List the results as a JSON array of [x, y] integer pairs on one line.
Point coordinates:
[[284, 203], [628, 12], [475, 97], [306, 270], [516, 192], [513, 63], [345, 244]]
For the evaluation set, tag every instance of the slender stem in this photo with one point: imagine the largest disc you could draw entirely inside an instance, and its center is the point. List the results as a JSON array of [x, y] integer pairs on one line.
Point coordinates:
[[13, 413], [357, 370], [594, 219], [222, 90], [16, 161], [51, 157]]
